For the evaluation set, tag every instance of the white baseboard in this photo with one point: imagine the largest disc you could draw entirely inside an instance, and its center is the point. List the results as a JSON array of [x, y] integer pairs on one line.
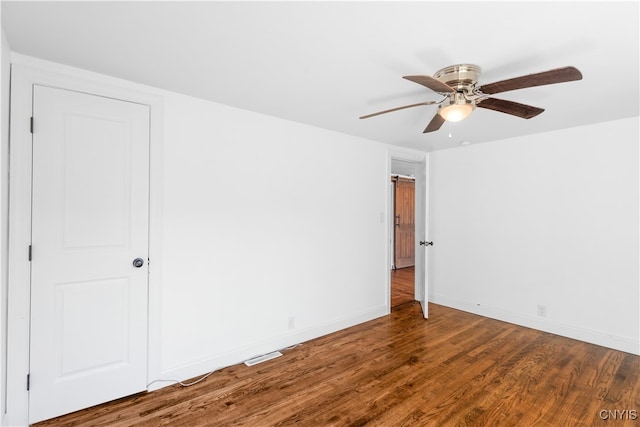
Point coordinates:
[[594, 337], [193, 370]]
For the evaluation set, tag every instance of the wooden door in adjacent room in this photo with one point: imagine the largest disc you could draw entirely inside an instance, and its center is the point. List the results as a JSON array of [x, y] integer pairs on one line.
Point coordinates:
[[404, 230]]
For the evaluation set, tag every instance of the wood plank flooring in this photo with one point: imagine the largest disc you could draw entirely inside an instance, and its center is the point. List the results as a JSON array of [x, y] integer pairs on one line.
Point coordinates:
[[455, 369], [402, 286]]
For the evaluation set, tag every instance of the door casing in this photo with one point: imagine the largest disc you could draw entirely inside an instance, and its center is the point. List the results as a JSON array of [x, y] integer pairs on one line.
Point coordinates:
[[25, 73]]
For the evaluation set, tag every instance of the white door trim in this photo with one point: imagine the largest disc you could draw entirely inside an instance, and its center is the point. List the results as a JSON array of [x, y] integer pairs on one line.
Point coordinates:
[[25, 72], [415, 157]]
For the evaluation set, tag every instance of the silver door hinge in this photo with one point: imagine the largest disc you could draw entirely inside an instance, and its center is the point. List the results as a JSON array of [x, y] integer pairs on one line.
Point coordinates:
[[28, 381], [31, 124], [30, 252]]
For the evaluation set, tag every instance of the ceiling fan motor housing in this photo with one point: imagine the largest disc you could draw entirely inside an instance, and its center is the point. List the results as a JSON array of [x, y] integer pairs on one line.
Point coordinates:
[[461, 77]]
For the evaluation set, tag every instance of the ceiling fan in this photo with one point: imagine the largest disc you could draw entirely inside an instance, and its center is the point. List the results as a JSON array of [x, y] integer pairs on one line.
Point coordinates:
[[458, 85]]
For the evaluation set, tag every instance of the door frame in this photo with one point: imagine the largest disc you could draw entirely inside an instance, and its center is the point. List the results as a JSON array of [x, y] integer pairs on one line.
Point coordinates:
[[415, 157], [26, 72]]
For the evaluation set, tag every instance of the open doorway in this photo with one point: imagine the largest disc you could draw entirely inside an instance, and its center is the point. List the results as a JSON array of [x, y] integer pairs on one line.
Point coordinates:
[[403, 236], [411, 165], [408, 283]]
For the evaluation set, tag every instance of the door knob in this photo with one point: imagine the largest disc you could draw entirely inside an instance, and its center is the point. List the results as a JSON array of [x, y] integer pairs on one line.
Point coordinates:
[[138, 262]]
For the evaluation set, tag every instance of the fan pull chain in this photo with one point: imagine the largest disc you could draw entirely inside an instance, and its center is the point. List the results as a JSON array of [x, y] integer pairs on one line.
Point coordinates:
[[449, 129]]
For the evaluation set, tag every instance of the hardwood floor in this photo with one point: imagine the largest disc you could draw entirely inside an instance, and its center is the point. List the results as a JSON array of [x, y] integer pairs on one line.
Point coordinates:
[[455, 369], [402, 286]]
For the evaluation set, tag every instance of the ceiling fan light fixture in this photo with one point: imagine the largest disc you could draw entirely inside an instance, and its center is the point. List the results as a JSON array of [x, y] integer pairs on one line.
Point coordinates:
[[456, 112]]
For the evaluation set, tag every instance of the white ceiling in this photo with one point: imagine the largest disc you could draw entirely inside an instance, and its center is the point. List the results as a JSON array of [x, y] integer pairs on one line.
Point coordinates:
[[327, 63]]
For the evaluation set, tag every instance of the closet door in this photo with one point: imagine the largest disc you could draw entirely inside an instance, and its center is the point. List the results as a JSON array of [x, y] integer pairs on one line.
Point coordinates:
[[90, 249]]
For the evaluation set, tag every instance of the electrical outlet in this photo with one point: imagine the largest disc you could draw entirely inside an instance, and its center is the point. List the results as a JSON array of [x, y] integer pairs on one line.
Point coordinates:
[[292, 322], [542, 310]]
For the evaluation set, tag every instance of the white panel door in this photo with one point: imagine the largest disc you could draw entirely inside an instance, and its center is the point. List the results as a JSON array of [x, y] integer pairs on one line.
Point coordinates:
[[422, 278], [89, 222]]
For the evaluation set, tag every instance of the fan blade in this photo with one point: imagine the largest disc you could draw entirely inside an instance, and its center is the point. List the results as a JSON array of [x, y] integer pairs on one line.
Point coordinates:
[[398, 108], [559, 75], [431, 83], [434, 124], [510, 107]]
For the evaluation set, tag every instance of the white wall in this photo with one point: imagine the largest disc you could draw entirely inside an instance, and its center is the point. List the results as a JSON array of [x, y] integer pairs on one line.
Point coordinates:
[[266, 222], [549, 219], [5, 54]]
